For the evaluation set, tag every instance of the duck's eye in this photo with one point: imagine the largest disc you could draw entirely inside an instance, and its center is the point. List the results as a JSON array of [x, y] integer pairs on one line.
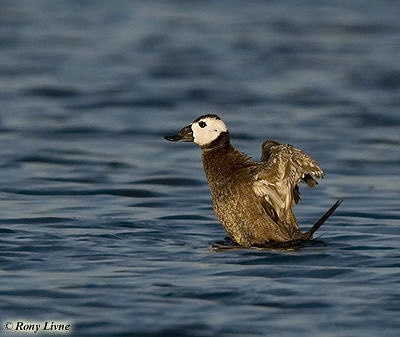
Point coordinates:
[[202, 124]]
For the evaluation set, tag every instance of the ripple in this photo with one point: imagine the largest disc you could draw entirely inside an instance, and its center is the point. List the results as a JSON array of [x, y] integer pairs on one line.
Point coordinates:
[[184, 217], [142, 102], [39, 220], [51, 92], [131, 193], [170, 181]]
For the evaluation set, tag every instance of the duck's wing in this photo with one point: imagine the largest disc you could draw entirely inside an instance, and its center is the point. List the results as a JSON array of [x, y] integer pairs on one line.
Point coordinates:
[[282, 169]]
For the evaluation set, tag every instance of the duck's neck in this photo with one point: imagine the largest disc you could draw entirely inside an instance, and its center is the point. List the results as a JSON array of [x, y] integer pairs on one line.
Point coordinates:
[[221, 159]]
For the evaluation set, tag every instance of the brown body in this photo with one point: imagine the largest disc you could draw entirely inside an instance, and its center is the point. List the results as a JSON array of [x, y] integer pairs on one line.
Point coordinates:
[[247, 218]]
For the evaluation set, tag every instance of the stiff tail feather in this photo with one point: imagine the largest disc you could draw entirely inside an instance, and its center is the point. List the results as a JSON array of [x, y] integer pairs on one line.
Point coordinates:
[[323, 218]]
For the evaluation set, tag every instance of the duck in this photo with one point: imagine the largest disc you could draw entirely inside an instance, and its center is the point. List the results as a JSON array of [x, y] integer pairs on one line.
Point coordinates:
[[253, 200]]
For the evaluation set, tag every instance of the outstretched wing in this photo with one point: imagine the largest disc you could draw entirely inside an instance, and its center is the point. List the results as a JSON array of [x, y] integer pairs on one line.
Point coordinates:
[[284, 167]]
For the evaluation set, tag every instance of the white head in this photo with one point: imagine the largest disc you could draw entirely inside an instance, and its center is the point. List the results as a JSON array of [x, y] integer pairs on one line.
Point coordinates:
[[207, 128], [203, 131]]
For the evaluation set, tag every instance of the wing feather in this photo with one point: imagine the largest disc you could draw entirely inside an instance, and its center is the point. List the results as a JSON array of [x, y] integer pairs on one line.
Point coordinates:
[[283, 167]]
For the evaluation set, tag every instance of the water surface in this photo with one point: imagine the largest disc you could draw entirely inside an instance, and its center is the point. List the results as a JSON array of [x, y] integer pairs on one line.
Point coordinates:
[[108, 227]]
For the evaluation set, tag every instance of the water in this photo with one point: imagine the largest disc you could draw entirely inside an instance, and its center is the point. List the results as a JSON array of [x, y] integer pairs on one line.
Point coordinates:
[[106, 226]]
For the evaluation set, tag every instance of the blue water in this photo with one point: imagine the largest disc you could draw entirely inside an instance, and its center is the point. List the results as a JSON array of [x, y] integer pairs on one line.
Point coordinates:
[[107, 227]]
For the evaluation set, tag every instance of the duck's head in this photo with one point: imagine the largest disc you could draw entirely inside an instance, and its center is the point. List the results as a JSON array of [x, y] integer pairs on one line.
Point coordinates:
[[203, 131]]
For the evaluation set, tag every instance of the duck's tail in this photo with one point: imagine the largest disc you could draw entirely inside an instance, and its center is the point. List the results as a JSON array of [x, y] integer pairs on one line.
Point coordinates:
[[308, 235]]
